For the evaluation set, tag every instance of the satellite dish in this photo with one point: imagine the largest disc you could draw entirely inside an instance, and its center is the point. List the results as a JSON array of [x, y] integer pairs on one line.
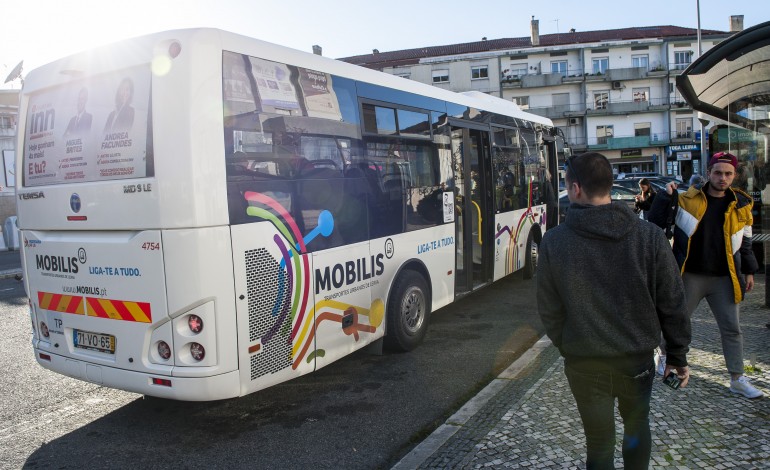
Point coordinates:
[[15, 73]]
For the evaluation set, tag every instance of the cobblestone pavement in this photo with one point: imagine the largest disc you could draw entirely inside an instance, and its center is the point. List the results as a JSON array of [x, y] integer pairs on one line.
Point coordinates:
[[529, 420]]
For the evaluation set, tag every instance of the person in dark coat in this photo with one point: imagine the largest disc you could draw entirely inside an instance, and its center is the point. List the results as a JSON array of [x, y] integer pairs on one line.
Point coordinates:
[[643, 200], [607, 287], [122, 117], [80, 123]]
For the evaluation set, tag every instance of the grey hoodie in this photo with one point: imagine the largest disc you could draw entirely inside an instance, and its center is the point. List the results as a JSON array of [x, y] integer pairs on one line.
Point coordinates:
[[608, 284]]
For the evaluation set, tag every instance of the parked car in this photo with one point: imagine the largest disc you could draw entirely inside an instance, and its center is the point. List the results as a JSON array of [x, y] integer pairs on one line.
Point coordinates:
[[617, 193], [658, 183]]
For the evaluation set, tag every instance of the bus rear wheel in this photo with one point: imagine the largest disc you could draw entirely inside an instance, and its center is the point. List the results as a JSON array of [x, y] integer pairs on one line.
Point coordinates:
[[408, 312], [530, 262]]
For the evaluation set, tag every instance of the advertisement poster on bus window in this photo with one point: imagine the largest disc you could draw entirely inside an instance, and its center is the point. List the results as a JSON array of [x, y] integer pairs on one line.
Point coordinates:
[[274, 84], [89, 130], [320, 99], [237, 86]]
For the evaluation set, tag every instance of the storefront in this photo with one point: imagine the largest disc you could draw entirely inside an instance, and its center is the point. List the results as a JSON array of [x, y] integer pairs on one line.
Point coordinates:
[[683, 161], [632, 161]]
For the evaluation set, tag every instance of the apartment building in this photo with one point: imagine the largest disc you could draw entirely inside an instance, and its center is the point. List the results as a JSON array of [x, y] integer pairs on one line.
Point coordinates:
[[611, 91]]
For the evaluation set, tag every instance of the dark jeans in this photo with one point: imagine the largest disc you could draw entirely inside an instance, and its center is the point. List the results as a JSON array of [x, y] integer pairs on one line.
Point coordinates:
[[595, 391]]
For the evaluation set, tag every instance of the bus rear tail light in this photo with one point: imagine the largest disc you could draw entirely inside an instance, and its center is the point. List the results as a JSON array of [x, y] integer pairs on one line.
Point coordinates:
[[164, 350], [163, 382], [174, 49], [45, 357], [197, 351], [44, 329], [195, 323]]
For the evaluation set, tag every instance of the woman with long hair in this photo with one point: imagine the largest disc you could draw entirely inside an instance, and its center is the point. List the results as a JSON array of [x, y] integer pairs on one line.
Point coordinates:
[[643, 200]]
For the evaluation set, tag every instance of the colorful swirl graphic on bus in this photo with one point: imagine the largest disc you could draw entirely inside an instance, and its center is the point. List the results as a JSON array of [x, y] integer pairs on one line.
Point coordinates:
[[294, 278], [512, 259]]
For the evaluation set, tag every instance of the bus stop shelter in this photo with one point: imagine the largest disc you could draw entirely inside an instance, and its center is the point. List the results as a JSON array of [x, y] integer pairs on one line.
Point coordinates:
[[731, 82]]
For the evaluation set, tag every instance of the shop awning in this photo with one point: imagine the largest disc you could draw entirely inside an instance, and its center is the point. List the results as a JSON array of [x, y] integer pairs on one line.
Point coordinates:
[[732, 80]]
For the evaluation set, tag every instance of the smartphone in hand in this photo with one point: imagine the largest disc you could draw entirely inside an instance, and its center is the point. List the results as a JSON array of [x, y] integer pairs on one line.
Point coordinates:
[[672, 380]]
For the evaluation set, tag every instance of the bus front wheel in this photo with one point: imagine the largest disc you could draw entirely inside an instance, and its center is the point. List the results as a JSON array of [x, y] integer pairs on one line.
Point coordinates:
[[530, 262], [408, 312]]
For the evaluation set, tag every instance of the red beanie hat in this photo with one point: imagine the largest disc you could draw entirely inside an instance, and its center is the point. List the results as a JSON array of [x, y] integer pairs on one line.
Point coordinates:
[[723, 157]]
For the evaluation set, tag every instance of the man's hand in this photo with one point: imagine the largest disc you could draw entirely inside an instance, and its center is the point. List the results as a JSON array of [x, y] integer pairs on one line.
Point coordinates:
[[682, 372], [749, 282], [670, 188]]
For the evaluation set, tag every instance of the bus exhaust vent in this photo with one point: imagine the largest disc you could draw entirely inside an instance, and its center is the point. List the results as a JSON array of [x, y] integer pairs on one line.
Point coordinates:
[[269, 313]]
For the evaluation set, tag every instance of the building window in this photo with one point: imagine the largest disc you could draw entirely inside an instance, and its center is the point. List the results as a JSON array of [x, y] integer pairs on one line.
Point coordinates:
[[682, 59], [560, 102], [601, 99], [522, 101], [642, 129], [600, 65], [441, 76], [515, 71], [684, 128], [641, 60], [603, 133], [6, 122], [641, 94], [560, 67], [479, 72]]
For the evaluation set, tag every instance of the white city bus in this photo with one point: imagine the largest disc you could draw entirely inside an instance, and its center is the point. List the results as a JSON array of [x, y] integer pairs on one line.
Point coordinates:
[[204, 215]]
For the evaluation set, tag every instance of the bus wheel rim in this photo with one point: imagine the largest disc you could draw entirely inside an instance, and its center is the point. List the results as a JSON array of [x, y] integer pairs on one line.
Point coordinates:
[[413, 309]]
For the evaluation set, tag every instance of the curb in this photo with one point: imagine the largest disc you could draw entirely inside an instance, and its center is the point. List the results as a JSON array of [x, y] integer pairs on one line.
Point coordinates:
[[454, 423]]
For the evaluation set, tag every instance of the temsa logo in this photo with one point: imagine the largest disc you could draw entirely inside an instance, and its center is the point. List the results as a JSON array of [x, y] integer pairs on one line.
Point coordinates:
[[36, 195]]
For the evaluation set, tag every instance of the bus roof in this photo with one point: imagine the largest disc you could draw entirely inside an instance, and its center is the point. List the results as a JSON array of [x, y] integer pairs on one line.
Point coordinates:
[[134, 50]]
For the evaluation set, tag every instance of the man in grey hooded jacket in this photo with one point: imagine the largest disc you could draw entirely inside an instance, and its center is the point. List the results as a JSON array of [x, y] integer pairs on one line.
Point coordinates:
[[607, 286]]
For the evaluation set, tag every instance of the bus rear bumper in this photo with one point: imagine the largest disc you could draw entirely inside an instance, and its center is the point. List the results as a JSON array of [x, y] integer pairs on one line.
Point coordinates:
[[215, 387]]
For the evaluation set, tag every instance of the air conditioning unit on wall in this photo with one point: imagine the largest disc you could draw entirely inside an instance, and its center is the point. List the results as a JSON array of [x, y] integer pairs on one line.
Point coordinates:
[[574, 121], [617, 85]]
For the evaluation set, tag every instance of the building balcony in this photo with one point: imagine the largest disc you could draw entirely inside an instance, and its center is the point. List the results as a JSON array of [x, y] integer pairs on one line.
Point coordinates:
[[531, 80], [677, 69], [631, 73], [629, 107], [659, 139], [537, 80], [654, 105], [7, 131], [679, 104], [688, 137], [560, 111]]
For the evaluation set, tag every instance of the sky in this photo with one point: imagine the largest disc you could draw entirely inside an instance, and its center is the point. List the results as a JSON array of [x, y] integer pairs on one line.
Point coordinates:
[[41, 31]]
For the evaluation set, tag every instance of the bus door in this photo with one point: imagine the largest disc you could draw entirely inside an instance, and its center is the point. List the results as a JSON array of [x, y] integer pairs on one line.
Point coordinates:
[[551, 195], [473, 221]]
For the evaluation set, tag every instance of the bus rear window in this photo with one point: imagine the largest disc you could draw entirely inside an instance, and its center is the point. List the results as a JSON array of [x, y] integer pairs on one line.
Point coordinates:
[[94, 129]]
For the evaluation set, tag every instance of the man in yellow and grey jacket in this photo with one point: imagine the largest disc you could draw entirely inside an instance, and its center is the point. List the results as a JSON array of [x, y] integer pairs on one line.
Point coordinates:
[[712, 244]]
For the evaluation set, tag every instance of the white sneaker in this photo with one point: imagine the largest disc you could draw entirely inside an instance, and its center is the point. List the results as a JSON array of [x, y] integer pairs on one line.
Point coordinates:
[[661, 364], [741, 385]]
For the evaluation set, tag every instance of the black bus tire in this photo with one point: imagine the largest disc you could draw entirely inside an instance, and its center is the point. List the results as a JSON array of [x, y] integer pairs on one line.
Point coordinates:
[[408, 312], [530, 261]]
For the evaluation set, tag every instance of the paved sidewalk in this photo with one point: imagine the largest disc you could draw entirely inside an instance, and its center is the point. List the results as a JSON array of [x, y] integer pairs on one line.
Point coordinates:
[[527, 418]]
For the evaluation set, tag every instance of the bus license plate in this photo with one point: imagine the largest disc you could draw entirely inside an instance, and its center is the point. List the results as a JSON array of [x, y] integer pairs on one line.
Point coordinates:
[[94, 341]]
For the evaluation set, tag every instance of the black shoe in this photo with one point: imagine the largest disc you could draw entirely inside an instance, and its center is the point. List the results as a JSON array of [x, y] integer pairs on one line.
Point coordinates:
[[767, 325]]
